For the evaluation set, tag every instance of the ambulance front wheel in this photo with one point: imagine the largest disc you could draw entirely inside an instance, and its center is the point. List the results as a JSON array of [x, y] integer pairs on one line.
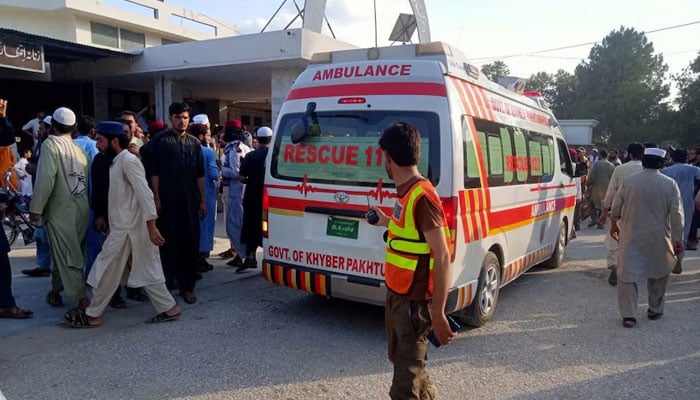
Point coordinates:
[[482, 308], [557, 258]]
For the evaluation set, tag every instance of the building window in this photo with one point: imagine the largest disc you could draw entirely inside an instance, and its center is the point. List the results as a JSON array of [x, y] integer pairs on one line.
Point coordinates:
[[104, 35], [131, 40], [165, 41], [111, 36]]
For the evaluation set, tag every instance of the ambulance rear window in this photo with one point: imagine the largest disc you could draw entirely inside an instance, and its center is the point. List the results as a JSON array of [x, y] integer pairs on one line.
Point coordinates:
[[345, 150]]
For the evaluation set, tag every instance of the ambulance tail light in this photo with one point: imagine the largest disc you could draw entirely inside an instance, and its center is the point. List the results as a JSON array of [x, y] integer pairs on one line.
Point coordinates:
[[532, 94], [325, 57], [449, 205], [433, 48], [352, 100], [266, 208]]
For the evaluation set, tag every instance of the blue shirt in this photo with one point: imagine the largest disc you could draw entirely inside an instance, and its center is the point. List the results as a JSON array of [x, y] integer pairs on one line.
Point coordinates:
[[88, 145]]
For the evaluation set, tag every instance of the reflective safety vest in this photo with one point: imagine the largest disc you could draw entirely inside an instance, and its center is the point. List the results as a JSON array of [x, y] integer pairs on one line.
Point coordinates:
[[404, 244]]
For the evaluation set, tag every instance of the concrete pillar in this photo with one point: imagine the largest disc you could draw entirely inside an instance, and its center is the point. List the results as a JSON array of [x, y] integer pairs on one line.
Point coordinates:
[[164, 96], [100, 101], [281, 82]]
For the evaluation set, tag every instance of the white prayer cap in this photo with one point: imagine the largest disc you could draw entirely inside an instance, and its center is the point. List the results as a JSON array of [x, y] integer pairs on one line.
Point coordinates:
[[656, 152], [47, 120], [64, 116], [200, 119], [264, 131]]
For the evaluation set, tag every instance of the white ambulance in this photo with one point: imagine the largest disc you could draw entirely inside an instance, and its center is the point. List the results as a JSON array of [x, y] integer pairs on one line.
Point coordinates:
[[497, 159]]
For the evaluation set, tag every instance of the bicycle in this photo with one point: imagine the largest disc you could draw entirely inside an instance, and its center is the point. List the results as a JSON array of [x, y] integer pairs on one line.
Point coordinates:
[[15, 214]]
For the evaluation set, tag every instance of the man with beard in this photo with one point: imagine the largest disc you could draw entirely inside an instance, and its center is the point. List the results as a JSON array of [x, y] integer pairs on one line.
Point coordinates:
[[133, 231], [177, 179], [211, 180], [61, 202]]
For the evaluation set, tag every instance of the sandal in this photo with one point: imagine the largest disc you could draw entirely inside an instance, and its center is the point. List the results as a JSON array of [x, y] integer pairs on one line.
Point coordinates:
[[76, 318], [163, 317], [227, 254], [629, 322], [15, 312], [189, 297]]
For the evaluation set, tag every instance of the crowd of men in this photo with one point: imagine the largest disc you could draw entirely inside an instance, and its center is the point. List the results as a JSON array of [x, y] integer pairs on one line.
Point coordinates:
[[114, 204], [652, 198]]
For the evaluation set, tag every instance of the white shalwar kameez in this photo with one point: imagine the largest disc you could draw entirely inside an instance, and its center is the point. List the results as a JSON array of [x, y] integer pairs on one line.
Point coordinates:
[[131, 205]]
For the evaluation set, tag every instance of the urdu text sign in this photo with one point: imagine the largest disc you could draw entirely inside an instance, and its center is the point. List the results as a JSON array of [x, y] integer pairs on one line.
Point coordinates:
[[17, 55]]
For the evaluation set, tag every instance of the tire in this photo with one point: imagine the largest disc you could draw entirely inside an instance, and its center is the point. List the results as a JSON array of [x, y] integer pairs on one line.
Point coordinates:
[[557, 258], [482, 308], [11, 230]]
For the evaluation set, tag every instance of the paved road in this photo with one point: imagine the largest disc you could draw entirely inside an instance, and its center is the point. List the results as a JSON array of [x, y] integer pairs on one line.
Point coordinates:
[[556, 335]]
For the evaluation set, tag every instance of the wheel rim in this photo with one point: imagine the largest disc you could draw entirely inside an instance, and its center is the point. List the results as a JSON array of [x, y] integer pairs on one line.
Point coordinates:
[[561, 243], [489, 291]]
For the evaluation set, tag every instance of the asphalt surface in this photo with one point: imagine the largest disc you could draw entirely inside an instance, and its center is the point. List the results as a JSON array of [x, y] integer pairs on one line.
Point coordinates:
[[556, 334]]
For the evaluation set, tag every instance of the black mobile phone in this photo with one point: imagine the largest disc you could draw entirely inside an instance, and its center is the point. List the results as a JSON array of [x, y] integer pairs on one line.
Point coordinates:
[[372, 216], [453, 325]]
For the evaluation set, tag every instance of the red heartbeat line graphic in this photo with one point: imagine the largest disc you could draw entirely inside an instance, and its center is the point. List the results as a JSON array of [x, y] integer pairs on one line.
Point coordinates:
[[305, 188]]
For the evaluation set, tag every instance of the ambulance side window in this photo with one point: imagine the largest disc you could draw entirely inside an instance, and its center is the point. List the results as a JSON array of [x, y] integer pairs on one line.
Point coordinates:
[[471, 162], [564, 158], [520, 164]]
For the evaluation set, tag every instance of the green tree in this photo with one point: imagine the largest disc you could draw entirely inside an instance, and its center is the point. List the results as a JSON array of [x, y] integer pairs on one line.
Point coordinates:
[[558, 89], [495, 70], [621, 85], [688, 101]]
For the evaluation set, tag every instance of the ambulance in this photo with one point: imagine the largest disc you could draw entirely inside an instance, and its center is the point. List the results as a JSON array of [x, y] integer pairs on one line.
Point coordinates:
[[497, 159]]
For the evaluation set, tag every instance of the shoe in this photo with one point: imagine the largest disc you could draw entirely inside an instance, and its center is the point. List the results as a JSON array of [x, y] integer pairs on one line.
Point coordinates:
[[577, 227], [687, 247], [227, 254], [592, 224], [612, 278], [136, 294], [600, 226], [54, 299], [653, 316], [204, 266], [235, 262], [37, 272], [629, 322], [117, 302], [249, 262]]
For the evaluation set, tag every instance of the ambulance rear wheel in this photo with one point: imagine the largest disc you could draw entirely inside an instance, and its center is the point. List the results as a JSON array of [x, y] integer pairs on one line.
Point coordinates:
[[482, 308], [557, 258]]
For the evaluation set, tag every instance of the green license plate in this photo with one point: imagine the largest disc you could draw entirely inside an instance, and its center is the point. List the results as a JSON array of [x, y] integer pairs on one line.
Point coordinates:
[[341, 227]]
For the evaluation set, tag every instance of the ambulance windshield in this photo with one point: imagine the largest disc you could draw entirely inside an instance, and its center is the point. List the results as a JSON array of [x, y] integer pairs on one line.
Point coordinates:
[[342, 147]]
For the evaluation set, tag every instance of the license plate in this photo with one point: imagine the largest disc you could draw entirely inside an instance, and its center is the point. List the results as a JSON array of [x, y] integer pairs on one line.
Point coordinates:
[[341, 227]]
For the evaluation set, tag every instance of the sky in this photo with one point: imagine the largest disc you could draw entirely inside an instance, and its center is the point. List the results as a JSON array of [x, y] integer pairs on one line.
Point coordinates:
[[491, 29]]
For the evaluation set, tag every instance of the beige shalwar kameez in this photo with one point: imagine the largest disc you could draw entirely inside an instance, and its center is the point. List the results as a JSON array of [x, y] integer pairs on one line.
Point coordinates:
[[620, 174], [649, 207], [131, 205]]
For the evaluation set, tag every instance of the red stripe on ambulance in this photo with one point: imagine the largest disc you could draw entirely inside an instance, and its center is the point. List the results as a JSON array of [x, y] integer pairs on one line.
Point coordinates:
[[369, 89]]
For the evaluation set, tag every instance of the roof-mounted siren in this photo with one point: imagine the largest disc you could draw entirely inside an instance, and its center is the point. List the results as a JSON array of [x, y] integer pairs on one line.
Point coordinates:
[[513, 83], [537, 98]]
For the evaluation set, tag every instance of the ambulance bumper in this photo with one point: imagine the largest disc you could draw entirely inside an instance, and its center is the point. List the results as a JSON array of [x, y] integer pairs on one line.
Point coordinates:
[[364, 290]]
